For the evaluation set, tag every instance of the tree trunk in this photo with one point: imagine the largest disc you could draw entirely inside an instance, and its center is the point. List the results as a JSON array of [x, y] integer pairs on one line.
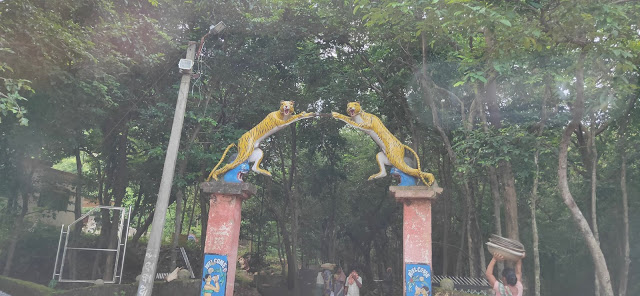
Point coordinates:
[[577, 112], [12, 198], [594, 180], [110, 268], [204, 218], [193, 209], [142, 229], [185, 209], [493, 181], [291, 259], [463, 234], [471, 251], [182, 168], [104, 199], [292, 262], [534, 192], [77, 207], [120, 184], [260, 223], [137, 208], [367, 269], [103, 242], [504, 167], [426, 85], [495, 193], [280, 251], [594, 212], [330, 231], [140, 214], [177, 230], [624, 267], [18, 227], [115, 183], [77, 212], [510, 201], [477, 212], [534, 225], [289, 212], [447, 180], [493, 175], [504, 170]]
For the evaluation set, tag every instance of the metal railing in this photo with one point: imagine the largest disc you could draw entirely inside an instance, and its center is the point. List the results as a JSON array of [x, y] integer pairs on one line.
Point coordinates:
[[121, 246]]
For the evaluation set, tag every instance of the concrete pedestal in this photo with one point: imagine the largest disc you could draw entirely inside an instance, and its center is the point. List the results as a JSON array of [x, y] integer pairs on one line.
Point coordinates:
[[416, 232], [223, 229]]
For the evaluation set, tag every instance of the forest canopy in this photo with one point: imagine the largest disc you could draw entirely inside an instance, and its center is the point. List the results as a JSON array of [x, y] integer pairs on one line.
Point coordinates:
[[525, 111]]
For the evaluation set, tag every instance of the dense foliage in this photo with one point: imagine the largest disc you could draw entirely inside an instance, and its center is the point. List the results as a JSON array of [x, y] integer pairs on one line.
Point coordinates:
[[493, 95]]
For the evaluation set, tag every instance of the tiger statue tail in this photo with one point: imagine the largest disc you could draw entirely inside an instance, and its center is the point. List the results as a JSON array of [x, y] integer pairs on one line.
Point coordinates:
[[418, 172], [215, 174]]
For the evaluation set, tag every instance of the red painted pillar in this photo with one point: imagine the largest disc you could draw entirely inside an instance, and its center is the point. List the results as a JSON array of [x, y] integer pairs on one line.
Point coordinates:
[[223, 229], [416, 229]]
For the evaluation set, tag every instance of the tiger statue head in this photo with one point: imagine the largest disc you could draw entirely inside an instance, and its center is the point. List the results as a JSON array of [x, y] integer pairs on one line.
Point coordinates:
[[286, 108], [353, 108]]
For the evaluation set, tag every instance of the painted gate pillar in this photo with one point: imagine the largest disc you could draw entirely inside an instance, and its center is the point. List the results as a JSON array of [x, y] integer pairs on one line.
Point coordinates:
[[416, 232], [223, 234]]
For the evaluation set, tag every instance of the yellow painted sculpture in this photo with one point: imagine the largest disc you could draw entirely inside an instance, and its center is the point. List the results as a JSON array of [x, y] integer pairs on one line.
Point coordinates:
[[393, 151], [248, 144]]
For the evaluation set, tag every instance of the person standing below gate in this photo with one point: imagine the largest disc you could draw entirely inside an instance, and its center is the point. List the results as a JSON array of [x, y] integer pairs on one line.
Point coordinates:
[[328, 282], [354, 283], [319, 284], [511, 283], [339, 280], [387, 283]]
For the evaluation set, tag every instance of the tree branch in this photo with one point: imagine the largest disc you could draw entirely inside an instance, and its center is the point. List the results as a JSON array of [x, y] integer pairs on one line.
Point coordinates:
[[622, 1], [366, 60], [445, 91]]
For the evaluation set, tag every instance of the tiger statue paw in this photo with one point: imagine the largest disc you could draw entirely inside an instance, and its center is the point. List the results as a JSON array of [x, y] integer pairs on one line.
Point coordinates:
[[393, 151], [248, 144]]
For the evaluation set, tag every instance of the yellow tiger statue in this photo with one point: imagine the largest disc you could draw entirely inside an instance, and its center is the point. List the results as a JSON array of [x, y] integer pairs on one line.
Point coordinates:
[[248, 144], [393, 151]]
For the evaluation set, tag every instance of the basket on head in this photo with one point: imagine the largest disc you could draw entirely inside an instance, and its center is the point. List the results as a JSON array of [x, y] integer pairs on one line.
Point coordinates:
[[511, 250], [327, 265]]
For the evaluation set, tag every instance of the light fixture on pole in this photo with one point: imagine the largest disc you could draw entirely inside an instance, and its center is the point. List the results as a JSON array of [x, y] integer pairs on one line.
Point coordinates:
[[219, 27], [213, 29], [186, 65]]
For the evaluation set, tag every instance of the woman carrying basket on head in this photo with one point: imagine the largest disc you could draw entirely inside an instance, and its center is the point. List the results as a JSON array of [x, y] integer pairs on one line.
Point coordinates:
[[511, 282]]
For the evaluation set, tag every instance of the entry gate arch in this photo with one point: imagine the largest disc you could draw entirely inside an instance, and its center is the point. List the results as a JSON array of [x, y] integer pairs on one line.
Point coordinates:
[[226, 197]]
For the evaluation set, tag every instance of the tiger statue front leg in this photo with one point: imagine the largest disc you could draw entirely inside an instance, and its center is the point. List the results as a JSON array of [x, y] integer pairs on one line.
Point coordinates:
[[248, 144]]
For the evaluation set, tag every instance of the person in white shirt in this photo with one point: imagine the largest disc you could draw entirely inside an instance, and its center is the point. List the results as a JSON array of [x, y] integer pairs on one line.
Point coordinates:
[[353, 284], [319, 285]]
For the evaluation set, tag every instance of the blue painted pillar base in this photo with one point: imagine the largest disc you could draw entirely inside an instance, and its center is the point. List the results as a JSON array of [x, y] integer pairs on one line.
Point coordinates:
[[236, 175], [405, 180]]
